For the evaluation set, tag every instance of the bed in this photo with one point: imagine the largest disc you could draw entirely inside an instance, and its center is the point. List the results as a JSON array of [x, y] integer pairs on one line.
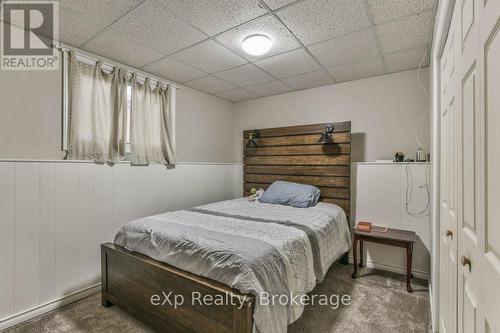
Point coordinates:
[[164, 268]]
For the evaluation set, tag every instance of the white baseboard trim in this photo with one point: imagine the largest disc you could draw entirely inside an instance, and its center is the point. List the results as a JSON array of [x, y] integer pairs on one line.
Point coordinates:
[[391, 268], [47, 307]]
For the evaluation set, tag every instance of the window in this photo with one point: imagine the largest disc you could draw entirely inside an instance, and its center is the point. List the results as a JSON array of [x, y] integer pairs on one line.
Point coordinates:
[[129, 116], [154, 145]]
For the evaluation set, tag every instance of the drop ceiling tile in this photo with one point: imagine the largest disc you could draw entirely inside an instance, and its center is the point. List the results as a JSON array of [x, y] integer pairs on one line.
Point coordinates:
[[174, 70], [406, 60], [236, 95], [275, 4], [405, 33], [309, 80], [210, 84], [268, 25], [214, 16], [288, 64], [210, 57], [152, 26], [245, 75], [357, 70], [269, 88], [314, 21], [117, 47], [80, 20], [346, 49], [388, 10]]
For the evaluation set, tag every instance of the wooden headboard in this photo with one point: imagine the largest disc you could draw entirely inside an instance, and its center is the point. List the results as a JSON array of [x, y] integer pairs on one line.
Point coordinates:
[[293, 154]]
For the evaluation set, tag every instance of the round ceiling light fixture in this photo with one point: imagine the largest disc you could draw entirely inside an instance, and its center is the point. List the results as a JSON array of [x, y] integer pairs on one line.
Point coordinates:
[[257, 45]]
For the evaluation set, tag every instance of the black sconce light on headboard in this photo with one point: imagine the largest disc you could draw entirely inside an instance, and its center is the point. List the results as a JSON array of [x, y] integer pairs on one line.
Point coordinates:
[[325, 137], [251, 142]]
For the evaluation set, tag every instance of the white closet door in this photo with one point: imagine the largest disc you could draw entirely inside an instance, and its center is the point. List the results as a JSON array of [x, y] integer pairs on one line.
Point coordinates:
[[470, 189], [488, 262], [448, 204], [470, 227]]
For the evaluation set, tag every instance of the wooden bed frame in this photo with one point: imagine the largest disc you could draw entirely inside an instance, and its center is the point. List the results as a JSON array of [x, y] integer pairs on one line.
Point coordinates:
[[137, 283], [130, 280]]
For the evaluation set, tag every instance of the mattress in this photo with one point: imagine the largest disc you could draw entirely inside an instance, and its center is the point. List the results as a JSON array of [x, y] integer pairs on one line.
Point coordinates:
[[256, 248]]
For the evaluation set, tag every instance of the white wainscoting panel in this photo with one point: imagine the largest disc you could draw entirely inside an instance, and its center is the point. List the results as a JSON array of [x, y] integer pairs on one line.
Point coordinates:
[[378, 193], [54, 216], [26, 235], [7, 244], [47, 232]]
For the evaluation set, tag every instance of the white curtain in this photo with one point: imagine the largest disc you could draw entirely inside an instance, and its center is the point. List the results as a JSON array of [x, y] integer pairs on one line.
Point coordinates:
[[97, 112], [151, 130]]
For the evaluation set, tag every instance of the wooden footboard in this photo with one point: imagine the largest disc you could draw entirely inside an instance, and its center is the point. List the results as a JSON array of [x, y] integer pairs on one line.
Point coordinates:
[[169, 299]]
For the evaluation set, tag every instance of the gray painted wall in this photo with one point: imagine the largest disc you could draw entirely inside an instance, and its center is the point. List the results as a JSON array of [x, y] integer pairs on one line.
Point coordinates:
[[31, 120], [384, 111], [30, 114], [205, 126]]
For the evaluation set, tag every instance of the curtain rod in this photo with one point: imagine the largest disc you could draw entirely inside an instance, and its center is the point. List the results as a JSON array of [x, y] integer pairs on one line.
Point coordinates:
[[65, 48]]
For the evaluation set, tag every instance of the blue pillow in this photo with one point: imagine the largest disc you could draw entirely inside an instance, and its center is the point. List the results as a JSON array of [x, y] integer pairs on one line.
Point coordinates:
[[291, 194]]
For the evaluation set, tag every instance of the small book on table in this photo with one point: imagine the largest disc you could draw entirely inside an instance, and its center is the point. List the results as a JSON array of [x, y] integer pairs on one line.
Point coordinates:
[[364, 226]]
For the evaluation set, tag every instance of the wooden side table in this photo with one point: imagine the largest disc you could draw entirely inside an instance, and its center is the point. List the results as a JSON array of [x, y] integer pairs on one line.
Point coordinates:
[[394, 237]]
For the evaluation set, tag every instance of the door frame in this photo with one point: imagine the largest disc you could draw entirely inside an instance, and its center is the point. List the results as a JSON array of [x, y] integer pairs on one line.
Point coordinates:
[[440, 34]]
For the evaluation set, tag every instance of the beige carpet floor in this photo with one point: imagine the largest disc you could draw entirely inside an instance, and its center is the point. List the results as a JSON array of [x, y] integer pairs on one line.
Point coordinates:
[[379, 304]]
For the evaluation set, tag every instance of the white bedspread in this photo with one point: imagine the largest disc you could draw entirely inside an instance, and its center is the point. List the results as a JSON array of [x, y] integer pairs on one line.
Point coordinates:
[[250, 246]]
